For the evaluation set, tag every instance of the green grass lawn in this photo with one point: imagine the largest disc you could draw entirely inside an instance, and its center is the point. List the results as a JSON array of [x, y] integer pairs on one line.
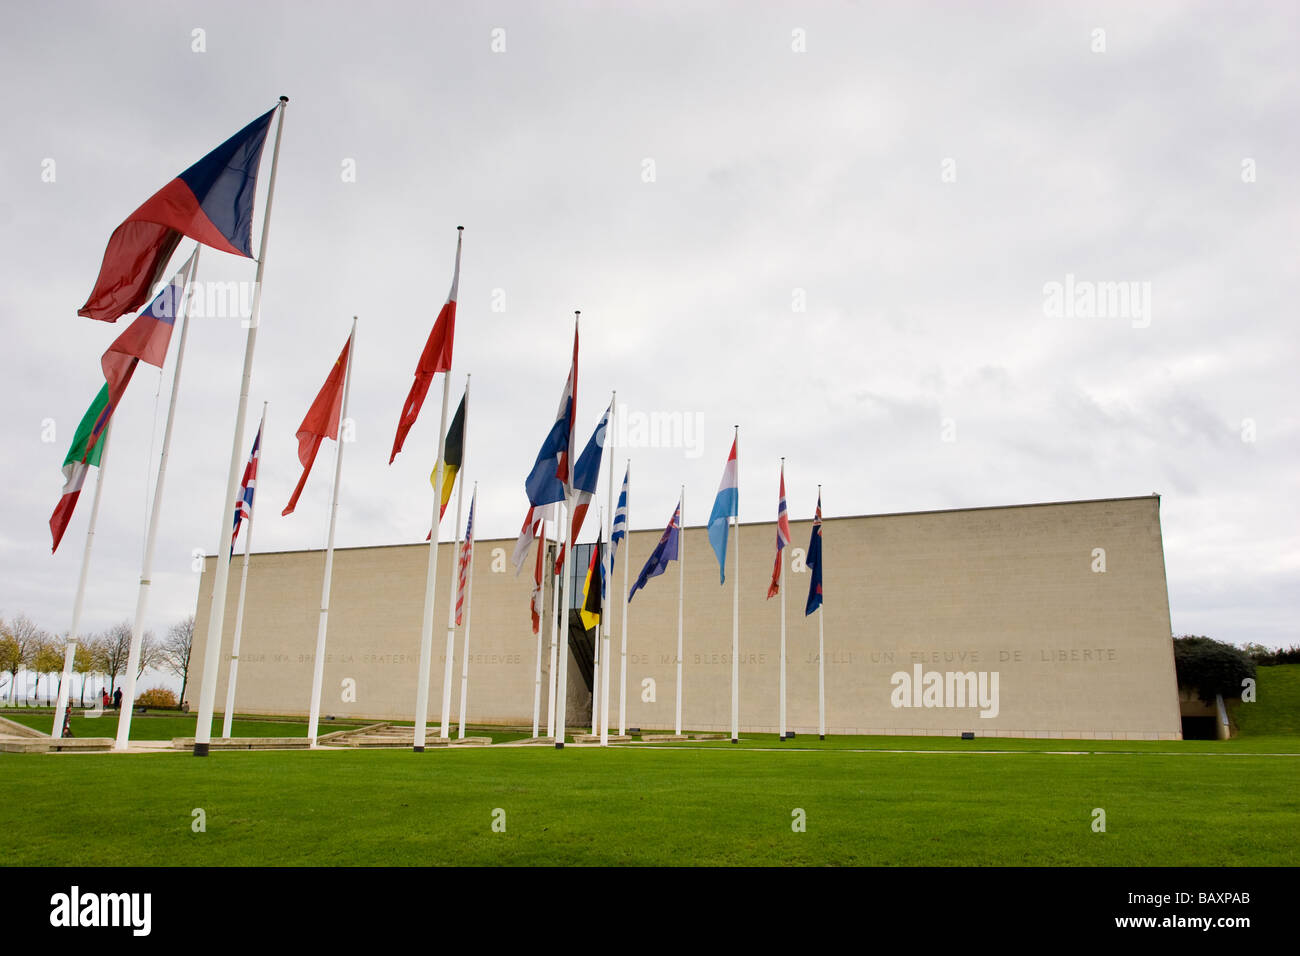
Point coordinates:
[[1276, 709], [637, 806], [1028, 802], [167, 726], [1274, 744]]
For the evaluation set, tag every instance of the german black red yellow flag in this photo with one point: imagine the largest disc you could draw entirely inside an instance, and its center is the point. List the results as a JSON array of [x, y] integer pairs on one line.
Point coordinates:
[[453, 455], [592, 588]]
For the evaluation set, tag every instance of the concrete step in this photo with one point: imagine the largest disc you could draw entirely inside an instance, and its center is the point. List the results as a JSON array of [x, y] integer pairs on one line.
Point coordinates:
[[245, 743]]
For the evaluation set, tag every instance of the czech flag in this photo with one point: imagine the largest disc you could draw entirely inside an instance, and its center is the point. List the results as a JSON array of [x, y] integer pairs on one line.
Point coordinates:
[[211, 202], [726, 505]]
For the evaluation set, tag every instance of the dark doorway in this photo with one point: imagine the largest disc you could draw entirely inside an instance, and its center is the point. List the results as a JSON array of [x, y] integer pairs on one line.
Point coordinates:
[[1199, 728]]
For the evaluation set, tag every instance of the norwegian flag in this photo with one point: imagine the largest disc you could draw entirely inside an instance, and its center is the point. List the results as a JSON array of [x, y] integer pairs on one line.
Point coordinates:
[[466, 556], [244, 503], [782, 538]]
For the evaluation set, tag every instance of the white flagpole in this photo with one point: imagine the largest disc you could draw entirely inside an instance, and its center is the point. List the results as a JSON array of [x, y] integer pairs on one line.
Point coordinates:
[[735, 611], [610, 432], [217, 616], [318, 668], [229, 716], [607, 567], [431, 574], [68, 656], [821, 653], [780, 583], [450, 654], [551, 675], [541, 621], [622, 666], [562, 686], [681, 591], [151, 534], [469, 599], [595, 648]]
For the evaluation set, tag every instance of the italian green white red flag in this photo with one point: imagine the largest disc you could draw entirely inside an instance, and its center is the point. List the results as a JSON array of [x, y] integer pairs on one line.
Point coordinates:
[[77, 465]]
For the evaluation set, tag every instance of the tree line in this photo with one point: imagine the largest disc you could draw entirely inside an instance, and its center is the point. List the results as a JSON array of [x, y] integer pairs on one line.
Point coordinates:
[[25, 647]]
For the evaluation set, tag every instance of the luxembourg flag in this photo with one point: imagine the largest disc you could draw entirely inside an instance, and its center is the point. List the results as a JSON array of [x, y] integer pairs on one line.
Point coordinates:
[[726, 505], [782, 538], [211, 202], [244, 503]]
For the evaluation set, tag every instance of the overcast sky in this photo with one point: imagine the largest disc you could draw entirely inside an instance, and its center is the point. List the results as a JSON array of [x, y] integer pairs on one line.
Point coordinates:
[[835, 224]]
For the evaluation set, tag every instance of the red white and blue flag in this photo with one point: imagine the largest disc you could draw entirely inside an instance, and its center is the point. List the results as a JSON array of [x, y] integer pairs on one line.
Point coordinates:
[[551, 478], [466, 556], [814, 562], [586, 475], [244, 503], [725, 506], [145, 340], [211, 202], [782, 538]]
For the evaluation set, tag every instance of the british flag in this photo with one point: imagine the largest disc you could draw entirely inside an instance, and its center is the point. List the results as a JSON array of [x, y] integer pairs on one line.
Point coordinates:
[[244, 503], [782, 538]]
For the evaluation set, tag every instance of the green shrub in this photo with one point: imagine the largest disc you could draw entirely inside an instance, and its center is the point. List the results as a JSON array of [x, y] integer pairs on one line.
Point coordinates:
[[1211, 667]]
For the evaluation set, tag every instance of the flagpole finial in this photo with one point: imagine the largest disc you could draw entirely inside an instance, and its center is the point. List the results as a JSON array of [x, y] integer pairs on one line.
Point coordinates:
[[284, 99], [460, 228]]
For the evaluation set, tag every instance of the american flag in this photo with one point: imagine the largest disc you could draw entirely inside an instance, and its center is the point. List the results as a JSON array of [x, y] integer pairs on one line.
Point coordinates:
[[782, 538], [244, 503], [466, 555]]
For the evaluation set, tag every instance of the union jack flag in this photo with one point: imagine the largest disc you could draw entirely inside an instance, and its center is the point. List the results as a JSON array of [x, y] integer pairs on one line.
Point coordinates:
[[244, 503], [782, 538]]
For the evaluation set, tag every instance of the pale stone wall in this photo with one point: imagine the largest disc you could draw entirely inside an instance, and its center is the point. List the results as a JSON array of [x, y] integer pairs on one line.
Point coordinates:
[[1011, 590]]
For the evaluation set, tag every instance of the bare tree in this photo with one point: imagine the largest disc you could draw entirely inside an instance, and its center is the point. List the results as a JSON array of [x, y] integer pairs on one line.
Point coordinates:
[[174, 653], [86, 662], [114, 649], [11, 657], [48, 659], [21, 638]]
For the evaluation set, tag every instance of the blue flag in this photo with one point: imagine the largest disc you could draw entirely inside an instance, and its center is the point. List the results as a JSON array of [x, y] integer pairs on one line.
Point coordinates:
[[665, 551], [619, 531], [814, 562]]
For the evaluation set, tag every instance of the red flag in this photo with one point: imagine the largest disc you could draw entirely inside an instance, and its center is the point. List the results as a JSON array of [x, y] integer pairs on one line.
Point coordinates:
[[322, 422], [435, 358], [144, 340], [782, 537], [537, 590]]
